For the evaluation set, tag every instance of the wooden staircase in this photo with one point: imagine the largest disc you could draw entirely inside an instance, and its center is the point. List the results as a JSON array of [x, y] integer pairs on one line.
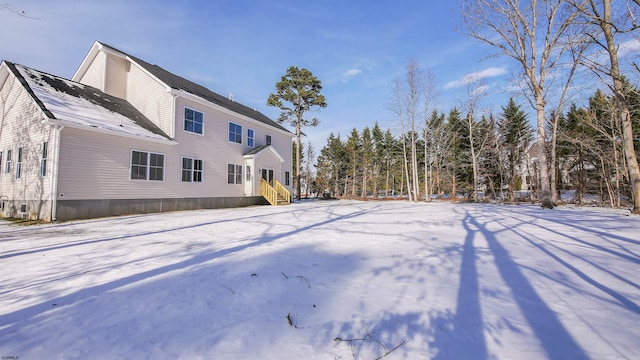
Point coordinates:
[[276, 194]]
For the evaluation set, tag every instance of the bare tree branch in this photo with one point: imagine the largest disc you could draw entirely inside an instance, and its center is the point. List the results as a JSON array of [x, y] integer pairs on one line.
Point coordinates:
[[11, 8]]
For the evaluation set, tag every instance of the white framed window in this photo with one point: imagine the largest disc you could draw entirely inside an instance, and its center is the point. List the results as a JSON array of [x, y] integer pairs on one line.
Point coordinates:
[[191, 170], [250, 137], [44, 153], [234, 174], [147, 166], [267, 140], [248, 173], [287, 178], [235, 133], [7, 168], [193, 121], [19, 164]]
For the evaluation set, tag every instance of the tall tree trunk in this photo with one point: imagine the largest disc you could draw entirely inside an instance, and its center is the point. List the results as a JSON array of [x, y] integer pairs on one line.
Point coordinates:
[[298, 154], [406, 166], [623, 109], [543, 164]]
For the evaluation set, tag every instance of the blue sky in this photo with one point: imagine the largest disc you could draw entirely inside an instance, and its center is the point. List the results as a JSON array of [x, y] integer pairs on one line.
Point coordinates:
[[356, 48]]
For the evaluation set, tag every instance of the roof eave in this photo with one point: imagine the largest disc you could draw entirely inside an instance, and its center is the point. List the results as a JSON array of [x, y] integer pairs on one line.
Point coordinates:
[[205, 102], [72, 125]]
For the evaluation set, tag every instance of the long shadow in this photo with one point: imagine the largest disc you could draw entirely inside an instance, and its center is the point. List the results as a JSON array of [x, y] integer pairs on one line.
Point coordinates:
[[587, 245], [129, 236], [201, 311], [20, 315], [467, 339], [630, 305], [554, 338]]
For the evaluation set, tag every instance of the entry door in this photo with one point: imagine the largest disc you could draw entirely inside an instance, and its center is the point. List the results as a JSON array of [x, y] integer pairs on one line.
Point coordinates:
[[267, 174]]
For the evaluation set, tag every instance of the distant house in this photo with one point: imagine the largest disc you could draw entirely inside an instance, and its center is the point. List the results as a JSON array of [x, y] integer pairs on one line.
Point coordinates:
[[126, 137]]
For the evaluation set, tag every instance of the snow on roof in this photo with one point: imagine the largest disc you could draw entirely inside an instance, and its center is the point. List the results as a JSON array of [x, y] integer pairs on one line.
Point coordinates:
[[81, 106]]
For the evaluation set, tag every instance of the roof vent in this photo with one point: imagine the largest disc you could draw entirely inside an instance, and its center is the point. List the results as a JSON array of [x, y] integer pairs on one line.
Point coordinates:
[[231, 97]]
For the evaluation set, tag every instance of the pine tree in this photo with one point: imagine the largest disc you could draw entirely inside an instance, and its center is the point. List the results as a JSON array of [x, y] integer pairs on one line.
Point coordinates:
[[517, 134]]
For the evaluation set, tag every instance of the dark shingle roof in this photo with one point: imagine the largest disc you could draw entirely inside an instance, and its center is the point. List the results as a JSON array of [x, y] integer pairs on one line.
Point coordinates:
[[257, 150], [64, 87], [179, 83]]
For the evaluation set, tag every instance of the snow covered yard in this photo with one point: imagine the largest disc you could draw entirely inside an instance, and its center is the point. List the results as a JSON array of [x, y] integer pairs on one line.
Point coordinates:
[[326, 280]]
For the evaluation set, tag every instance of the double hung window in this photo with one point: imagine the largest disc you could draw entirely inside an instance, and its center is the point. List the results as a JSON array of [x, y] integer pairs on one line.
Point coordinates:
[[191, 170], [234, 174], [235, 133], [193, 120], [147, 166], [250, 137]]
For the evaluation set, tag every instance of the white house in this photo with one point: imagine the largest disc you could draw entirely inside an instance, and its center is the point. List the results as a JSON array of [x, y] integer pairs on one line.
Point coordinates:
[[125, 137]]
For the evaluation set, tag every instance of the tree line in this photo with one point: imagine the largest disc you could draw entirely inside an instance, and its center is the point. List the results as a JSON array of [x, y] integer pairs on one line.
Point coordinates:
[[587, 147], [371, 162]]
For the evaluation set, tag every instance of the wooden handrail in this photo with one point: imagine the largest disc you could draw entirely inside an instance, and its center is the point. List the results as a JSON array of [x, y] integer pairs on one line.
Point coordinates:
[[271, 193], [282, 191], [268, 192]]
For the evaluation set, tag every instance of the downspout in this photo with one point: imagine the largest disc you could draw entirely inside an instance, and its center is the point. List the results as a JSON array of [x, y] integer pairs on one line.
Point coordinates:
[[54, 172], [173, 122]]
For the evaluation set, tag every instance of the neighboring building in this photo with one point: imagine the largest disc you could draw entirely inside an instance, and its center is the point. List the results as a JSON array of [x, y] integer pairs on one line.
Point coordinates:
[[125, 137]]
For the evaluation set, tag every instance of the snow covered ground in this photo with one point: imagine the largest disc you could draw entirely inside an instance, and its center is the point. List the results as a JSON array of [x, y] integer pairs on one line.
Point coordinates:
[[326, 280]]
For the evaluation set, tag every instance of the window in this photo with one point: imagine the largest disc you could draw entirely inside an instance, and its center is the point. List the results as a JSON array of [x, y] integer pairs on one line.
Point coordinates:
[[43, 159], [234, 174], [248, 172], [156, 167], [143, 163], [235, 133], [193, 120], [191, 170], [268, 140], [287, 178], [1, 162], [19, 164], [7, 168], [250, 137]]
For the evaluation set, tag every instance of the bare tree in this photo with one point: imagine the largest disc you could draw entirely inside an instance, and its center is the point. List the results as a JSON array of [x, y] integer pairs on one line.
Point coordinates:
[[609, 25], [530, 32], [475, 91], [410, 101]]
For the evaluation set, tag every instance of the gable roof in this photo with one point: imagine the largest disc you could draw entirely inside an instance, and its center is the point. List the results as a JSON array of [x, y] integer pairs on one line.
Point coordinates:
[[179, 83], [72, 104], [257, 151]]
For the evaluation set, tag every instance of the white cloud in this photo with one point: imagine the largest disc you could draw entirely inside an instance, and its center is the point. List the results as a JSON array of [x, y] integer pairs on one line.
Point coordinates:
[[475, 76], [628, 47], [351, 73]]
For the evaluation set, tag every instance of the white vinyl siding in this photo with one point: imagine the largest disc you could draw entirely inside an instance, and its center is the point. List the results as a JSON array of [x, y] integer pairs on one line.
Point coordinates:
[[151, 98], [94, 76], [116, 77], [22, 113]]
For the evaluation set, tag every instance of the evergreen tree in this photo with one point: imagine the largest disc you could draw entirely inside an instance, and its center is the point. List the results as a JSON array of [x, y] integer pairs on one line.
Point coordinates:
[[331, 167], [517, 134], [353, 148], [297, 92]]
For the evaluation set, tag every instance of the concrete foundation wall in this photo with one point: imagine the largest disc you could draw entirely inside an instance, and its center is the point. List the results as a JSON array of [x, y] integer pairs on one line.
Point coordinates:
[[86, 209]]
